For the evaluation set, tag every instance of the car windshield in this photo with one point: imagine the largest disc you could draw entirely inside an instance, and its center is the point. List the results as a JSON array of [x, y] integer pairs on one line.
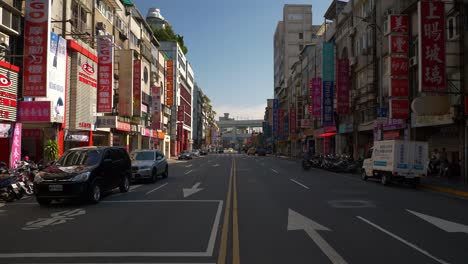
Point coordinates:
[[79, 157], [143, 155]]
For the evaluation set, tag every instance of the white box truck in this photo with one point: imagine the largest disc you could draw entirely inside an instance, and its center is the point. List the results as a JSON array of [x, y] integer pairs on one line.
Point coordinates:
[[397, 160]]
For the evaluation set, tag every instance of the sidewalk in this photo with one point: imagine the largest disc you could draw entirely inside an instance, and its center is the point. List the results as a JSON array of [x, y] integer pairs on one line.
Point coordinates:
[[451, 186]]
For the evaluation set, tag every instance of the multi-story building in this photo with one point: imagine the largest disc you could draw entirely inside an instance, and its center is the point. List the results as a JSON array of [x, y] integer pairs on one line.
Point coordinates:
[[198, 117]]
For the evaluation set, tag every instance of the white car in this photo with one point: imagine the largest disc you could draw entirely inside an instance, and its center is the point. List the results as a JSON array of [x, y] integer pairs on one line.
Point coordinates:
[[196, 153], [148, 165]]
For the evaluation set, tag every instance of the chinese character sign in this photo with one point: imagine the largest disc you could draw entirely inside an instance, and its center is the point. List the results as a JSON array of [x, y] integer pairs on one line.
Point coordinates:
[[275, 116], [399, 108], [399, 87], [105, 73], [16, 146], [328, 67], [327, 110], [342, 93], [399, 44], [34, 111], [36, 43], [280, 121], [180, 113], [169, 82], [399, 66], [292, 121], [316, 97], [399, 23], [431, 46], [136, 87]]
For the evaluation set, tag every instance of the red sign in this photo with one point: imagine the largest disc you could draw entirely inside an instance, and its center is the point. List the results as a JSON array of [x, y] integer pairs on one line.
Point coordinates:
[[399, 87], [392, 134], [292, 121], [399, 23], [399, 66], [280, 121], [169, 83], [123, 126], [180, 130], [466, 105], [431, 46], [36, 45], [4, 81], [34, 111], [342, 93], [84, 125], [180, 113], [399, 44], [137, 88], [326, 145], [86, 79], [88, 68], [316, 97], [105, 73], [399, 109], [16, 146], [31, 133]]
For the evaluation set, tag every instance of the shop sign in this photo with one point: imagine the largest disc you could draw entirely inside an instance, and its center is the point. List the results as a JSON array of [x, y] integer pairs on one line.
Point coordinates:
[[327, 145], [345, 128], [146, 132], [394, 124], [31, 133], [123, 126], [137, 88], [431, 25], [161, 135], [76, 136], [316, 97], [399, 44], [327, 110], [399, 109], [399, 23], [342, 93], [170, 83], [292, 121], [306, 123], [180, 113], [105, 73], [5, 81], [392, 134], [275, 116], [34, 111], [125, 106], [156, 99], [399, 87], [280, 122], [398, 66], [106, 122], [5, 130], [8, 95], [430, 120], [16, 145], [36, 44], [328, 67]]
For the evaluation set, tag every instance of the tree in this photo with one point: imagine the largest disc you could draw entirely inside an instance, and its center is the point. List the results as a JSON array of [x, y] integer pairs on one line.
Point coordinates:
[[167, 34]]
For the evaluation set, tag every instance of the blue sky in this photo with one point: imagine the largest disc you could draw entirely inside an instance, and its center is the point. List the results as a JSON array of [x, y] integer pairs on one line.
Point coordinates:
[[231, 47]]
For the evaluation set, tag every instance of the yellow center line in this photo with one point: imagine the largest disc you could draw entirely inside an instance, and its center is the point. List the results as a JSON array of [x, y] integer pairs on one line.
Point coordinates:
[[235, 222], [224, 234]]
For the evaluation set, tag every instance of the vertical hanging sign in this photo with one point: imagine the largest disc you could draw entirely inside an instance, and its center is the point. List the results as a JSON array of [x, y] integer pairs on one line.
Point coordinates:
[[136, 87], [431, 25], [16, 146], [342, 93], [316, 97], [328, 73], [170, 83], [275, 117], [105, 73], [36, 45]]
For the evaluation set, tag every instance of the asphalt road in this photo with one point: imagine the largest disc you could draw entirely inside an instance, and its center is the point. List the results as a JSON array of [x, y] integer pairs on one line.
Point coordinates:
[[232, 208]]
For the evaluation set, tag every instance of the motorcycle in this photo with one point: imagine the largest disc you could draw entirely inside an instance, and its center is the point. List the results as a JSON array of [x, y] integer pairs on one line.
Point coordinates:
[[306, 162], [9, 190], [24, 173]]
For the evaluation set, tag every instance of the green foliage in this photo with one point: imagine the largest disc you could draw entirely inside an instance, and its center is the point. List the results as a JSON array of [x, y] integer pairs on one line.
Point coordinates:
[[51, 150], [168, 34]]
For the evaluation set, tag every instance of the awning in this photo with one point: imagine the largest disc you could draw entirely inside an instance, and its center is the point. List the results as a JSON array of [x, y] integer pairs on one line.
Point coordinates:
[[126, 2]]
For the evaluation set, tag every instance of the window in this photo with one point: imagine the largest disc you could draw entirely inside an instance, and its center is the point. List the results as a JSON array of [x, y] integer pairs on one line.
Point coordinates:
[[301, 35], [133, 39], [301, 47], [79, 16], [11, 21], [104, 9]]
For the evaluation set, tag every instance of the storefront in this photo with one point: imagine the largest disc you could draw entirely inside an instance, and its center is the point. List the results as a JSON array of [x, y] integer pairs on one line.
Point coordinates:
[[365, 138], [119, 135], [325, 140], [344, 139]]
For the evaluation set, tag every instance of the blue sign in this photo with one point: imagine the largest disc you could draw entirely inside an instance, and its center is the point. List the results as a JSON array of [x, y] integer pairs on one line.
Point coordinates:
[[275, 117], [327, 113], [382, 112], [328, 60]]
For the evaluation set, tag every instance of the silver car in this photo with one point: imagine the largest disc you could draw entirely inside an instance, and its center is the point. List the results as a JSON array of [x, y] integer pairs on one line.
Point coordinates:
[[148, 165]]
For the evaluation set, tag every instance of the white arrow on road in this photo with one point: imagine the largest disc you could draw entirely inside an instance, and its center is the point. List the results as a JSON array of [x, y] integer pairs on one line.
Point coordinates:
[[194, 189], [445, 225], [297, 221]]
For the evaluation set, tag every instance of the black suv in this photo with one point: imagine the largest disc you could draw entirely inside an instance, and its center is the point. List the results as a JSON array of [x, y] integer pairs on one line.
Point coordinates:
[[84, 172]]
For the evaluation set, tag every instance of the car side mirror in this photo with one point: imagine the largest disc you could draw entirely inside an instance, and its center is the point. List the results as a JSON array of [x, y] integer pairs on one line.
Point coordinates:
[[107, 162]]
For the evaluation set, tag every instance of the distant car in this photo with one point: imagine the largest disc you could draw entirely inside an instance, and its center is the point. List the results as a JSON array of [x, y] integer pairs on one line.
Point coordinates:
[[148, 165], [203, 152], [196, 153], [229, 150], [185, 155], [261, 152], [251, 151], [84, 172]]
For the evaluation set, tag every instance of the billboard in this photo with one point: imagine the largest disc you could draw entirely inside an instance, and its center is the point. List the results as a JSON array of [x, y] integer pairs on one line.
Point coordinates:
[[342, 93], [57, 75], [125, 106], [316, 97], [136, 87], [105, 73]]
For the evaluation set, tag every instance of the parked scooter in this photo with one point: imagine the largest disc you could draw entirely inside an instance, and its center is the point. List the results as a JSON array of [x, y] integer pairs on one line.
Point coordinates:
[[9, 190]]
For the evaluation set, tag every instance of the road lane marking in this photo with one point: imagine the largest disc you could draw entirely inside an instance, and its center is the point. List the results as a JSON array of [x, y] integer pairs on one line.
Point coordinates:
[[134, 187], [214, 230], [443, 224], [157, 188], [224, 232], [102, 254], [216, 165], [299, 183], [54, 219], [274, 171], [188, 172], [235, 221], [403, 241], [189, 191], [188, 166]]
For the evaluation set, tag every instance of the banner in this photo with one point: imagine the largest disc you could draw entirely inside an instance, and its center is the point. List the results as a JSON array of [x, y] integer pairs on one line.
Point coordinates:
[[156, 107], [136, 87], [327, 110], [275, 117], [34, 111], [292, 121], [399, 109], [399, 44], [328, 60], [316, 97], [180, 113], [399, 23], [431, 27], [16, 146], [170, 83], [56, 78], [280, 121], [342, 93], [105, 73], [36, 44]]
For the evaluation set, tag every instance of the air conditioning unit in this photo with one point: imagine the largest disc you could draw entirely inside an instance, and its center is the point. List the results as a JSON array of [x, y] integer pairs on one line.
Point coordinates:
[[413, 61], [4, 40], [452, 31], [101, 26], [386, 26]]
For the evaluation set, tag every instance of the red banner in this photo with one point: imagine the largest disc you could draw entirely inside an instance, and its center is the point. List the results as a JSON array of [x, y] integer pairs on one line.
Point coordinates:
[[105, 73], [399, 66], [123, 126], [327, 145], [136, 87], [399, 87], [392, 134], [399, 109], [34, 111], [342, 93], [280, 121], [180, 113], [292, 121], [399, 23], [36, 46], [180, 131], [316, 97], [170, 83], [431, 46], [399, 44]]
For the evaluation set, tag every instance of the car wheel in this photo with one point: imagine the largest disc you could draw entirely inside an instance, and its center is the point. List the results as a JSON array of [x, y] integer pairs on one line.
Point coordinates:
[[124, 185], [166, 172], [364, 176], [154, 176], [43, 201], [385, 179], [94, 195]]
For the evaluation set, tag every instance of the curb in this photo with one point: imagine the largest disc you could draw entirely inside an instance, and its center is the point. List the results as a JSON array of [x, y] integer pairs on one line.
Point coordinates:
[[445, 190]]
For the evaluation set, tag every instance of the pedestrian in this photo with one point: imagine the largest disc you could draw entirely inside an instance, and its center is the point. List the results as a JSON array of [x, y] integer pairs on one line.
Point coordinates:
[[443, 161]]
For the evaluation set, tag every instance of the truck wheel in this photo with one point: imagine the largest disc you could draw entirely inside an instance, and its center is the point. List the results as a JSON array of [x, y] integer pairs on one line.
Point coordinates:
[[385, 179], [364, 176]]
